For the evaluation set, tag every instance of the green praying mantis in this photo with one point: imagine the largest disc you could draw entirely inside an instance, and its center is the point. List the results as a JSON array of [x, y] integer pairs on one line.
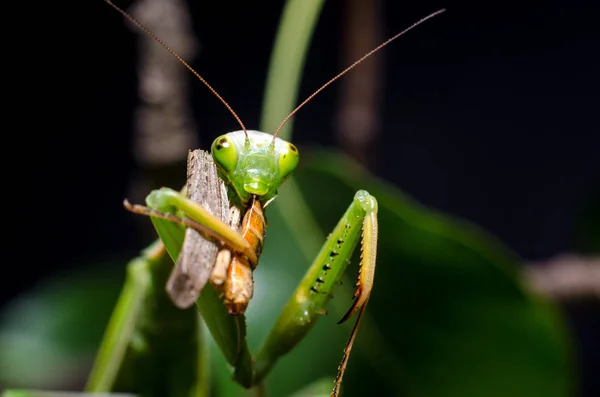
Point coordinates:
[[230, 229]]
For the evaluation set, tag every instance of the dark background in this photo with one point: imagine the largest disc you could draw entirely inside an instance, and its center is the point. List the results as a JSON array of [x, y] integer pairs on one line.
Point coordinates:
[[490, 113]]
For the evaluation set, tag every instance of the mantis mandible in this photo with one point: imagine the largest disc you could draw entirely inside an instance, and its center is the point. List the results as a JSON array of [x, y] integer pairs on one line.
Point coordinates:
[[254, 165]]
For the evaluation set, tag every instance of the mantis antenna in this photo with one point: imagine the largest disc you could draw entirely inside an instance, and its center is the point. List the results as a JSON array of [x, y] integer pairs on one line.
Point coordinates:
[[349, 68], [162, 43]]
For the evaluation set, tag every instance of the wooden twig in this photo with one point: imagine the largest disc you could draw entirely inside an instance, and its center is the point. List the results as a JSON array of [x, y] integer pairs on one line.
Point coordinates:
[[358, 116], [165, 129], [567, 277]]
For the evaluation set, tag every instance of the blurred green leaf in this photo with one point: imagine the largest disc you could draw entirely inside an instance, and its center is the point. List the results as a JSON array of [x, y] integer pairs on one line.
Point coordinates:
[[49, 335], [39, 393], [321, 387]]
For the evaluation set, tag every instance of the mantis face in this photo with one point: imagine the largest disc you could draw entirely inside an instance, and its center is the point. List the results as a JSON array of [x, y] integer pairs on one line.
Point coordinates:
[[254, 165]]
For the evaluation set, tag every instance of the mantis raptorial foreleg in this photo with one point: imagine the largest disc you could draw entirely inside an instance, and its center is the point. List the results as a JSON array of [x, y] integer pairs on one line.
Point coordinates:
[[308, 302], [164, 203]]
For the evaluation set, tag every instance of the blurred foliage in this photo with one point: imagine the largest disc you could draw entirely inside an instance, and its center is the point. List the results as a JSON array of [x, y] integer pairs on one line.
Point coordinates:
[[49, 335]]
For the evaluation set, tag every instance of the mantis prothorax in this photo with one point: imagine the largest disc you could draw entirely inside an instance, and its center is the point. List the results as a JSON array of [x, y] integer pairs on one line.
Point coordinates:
[[254, 165]]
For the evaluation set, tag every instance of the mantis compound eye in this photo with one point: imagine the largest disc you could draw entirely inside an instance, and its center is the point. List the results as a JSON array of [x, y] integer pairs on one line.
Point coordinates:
[[225, 153], [288, 160]]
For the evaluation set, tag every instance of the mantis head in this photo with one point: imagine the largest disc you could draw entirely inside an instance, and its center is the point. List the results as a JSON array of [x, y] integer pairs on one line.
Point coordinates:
[[254, 162]]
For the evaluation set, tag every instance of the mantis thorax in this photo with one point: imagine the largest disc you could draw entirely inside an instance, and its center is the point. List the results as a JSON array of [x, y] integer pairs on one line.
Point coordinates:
[[254, 165]]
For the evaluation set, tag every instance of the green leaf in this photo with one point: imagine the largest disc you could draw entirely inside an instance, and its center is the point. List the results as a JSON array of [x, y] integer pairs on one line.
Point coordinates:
[[49, 335], [39, 393]]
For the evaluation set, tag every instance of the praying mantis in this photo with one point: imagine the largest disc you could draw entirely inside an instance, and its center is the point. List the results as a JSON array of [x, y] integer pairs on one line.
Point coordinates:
[[252, 165]]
